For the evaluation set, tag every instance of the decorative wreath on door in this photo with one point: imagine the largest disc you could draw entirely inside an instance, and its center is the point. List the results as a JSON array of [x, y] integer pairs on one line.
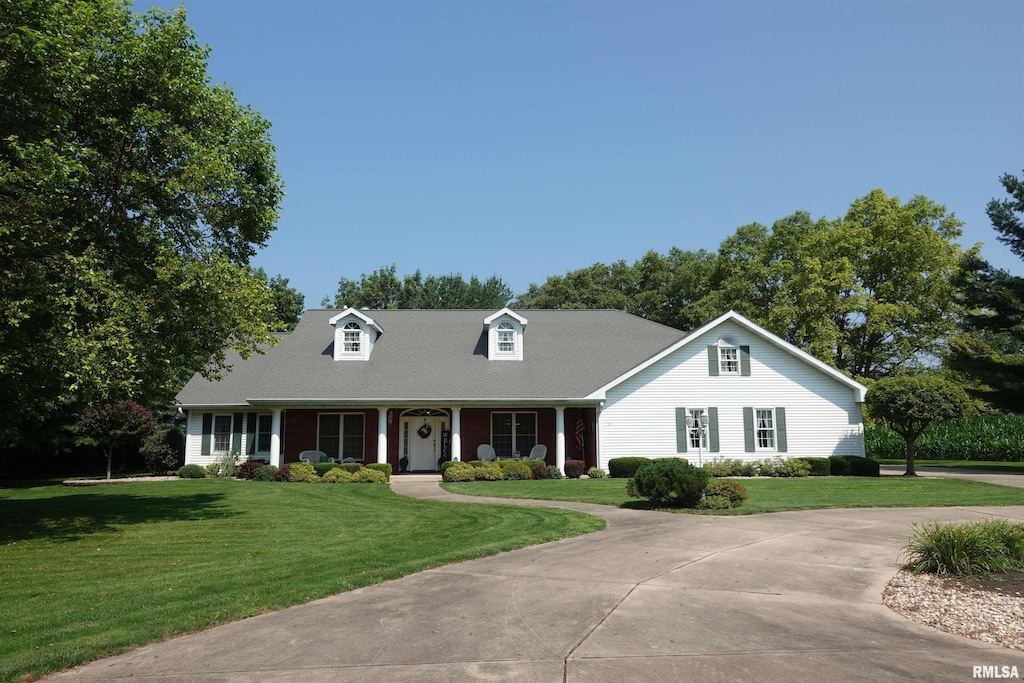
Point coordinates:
[[424, 431]]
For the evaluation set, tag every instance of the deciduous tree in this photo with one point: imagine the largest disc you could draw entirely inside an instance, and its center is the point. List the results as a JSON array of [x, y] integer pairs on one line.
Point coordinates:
[[110, 425]]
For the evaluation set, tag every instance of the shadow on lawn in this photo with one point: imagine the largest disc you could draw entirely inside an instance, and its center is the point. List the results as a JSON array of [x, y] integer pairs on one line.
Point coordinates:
[[70, 517]]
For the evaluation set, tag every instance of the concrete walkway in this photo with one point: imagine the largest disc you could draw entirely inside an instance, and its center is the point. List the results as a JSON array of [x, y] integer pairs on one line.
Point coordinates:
[[793, 596]]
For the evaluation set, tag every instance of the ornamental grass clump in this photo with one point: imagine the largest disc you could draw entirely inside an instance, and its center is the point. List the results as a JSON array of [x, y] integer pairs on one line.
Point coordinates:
[[669, 482], [968, 549]]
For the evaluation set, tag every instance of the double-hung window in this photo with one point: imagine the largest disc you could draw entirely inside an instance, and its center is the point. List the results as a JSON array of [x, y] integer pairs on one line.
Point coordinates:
[[221, 433], [511, 432], [728, 356], [340, 435], [353, 338], [263, 427], [764, 426], [506, 338], [698, 433]]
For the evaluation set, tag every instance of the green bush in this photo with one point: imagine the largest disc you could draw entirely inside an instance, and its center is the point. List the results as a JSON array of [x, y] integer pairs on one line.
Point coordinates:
[[192, 472], [853, 466], [574, 469], [337, 476], [478, 463], [820, 467], [732, 493], [302, 471], [460, 471], [382, 467], [596, 473], [264, 473], [766, 467], [554, 472], [539, 470], [449, 463], [213, 469], [966, 549], [322, 468], [283, 472], [794, 467], [370, 475], [622, 468], [714, 503], [515, 470], [248, 468], [163, 449], [992, 436], [351, 467], [489, 472], [669, 482], [720, 467]]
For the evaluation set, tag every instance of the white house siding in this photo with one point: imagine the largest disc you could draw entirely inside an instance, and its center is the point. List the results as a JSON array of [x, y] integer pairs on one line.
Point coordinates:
[[639, 419], [194, 437]]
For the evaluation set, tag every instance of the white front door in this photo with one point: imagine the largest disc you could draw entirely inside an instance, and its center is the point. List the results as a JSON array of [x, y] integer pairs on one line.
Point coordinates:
[[423, 450]]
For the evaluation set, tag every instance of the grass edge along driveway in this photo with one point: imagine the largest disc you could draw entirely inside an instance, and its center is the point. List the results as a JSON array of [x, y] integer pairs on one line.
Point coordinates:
[[770, 494], [91, 572]]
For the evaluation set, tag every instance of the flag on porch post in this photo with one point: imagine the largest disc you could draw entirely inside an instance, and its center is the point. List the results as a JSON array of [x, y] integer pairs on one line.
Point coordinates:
[[580, 429]]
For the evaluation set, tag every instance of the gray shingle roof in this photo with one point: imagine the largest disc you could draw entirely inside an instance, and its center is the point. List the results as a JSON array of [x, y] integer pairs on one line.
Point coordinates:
[[440, 354]]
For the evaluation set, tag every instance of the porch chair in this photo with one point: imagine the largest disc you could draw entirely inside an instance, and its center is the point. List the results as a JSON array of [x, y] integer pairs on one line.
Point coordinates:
[[312, 457], [485, 452], [539, 452]]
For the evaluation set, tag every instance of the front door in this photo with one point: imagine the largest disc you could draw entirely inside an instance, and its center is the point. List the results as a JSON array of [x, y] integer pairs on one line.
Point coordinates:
[[424, 442]]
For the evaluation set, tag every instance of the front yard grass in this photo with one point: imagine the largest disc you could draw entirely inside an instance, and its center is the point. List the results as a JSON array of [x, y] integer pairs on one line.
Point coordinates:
[[770, 494], [89, 572], [989, 465]]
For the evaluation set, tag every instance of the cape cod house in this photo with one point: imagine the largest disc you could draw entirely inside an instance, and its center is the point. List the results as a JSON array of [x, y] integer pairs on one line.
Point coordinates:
[[416, 387]]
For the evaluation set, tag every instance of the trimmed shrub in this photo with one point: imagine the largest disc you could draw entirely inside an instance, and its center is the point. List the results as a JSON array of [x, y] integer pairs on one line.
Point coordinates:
[[382, 467], [820, 467], [351, 467], [264, 473], [478, 463], [213, 470], [966, 549], [163, 449], [540, 470], [853, 466], [489, 472], [794, 467], [460, 471], [283, 472], [515, 469], [554, 472], [574, 469], [450, 463], [322, 468], [622, 468], [724, 467], [248, 468], [192, 472], [670, 482], [596, 473], [369, 475], [337, 475], [302, 471], [731, 492], [766, 467]]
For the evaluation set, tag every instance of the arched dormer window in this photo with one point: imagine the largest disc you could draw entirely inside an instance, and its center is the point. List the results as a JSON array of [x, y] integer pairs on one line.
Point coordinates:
[[353, 338], [728, 355], [506, 338]]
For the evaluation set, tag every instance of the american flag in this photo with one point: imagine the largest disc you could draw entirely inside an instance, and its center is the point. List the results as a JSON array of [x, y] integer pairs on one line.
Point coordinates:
[[580, 429]]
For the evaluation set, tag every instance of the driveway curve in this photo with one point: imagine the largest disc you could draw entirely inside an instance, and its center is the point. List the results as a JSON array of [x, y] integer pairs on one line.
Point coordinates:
[[791, 596]]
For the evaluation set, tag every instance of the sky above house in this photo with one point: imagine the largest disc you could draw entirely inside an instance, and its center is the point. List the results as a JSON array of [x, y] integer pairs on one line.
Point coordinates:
[[527, 139]]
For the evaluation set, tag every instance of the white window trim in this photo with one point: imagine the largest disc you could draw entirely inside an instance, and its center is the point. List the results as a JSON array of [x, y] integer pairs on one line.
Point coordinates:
[[494, 351], [349, 327], [505, 327], [705, 433], [213, 433], [774, 430], [513, 413], [341, 433], [270, 430], [728, 342]]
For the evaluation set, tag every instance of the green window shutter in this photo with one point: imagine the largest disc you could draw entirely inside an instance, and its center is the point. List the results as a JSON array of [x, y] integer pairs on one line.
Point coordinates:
[[780, 430], [250, 433], [748, 430], [682, 433], [207, 433], [713, 430], [713, 360], [236, 433], [745, 361]]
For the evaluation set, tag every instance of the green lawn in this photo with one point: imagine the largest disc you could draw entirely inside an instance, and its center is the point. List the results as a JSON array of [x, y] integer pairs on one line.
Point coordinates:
[[771, 495], [88, 572], [991, 465]]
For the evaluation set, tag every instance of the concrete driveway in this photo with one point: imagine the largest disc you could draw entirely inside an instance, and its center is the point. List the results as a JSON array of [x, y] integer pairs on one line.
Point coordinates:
[[793, 596]]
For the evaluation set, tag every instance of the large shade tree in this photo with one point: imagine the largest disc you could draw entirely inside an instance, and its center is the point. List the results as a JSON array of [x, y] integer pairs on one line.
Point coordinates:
[[132, 194], [383, 288]]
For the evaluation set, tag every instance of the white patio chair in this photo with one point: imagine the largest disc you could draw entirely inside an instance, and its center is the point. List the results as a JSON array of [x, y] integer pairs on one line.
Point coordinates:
[[312, 457], [485, 452], [539, 452]]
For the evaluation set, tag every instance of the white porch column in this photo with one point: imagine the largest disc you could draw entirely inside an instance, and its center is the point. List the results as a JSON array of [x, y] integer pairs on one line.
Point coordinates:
[[382, 434], [560, 438], [456, 434], [275, 438]]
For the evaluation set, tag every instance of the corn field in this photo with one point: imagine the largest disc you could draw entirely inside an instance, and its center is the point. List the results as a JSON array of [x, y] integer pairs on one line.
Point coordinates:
[[988, 437]]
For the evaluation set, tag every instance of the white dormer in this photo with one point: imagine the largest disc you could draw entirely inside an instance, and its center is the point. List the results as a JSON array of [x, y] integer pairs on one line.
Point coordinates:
[[354, 335], [505, 335]]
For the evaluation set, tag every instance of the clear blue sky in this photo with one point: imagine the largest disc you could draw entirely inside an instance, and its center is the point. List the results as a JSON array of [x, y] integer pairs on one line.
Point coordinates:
[[526, 139]]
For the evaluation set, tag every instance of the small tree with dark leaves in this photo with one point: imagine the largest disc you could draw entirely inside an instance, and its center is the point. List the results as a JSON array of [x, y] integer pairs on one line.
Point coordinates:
[[110, 425]]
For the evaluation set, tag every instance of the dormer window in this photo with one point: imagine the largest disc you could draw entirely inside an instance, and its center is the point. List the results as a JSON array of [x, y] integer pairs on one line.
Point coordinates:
[[504, 331], [353, 337], [728, 355], [506, 338]]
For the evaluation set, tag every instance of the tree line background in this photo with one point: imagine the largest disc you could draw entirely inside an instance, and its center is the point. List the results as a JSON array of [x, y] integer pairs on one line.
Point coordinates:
[[134, 193]]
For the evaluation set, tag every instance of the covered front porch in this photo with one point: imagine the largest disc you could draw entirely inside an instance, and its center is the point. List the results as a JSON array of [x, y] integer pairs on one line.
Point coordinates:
[[420, 438]]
